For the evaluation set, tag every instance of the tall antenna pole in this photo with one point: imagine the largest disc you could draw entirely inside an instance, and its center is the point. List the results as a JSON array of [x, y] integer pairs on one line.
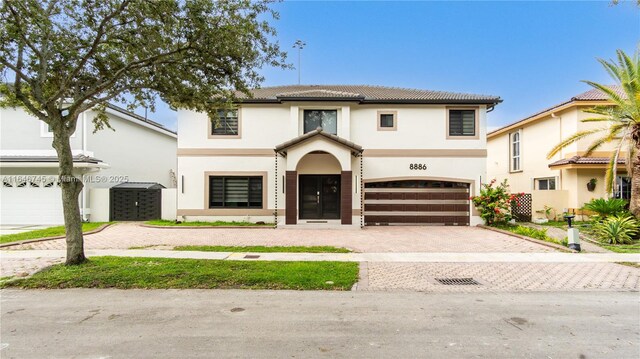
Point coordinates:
[[299, 44]]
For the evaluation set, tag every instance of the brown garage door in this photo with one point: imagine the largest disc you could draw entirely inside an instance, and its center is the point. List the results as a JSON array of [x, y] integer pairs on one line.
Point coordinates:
[[416, 202]]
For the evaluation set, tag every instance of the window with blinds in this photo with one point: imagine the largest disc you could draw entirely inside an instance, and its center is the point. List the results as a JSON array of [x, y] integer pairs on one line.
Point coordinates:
[[462, 122], [226, 123], [235, 192]]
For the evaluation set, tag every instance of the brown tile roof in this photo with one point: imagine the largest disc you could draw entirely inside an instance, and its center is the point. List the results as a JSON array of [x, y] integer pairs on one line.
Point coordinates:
[[579, 160], [362, 93], [318, 132], [597, 95], [591, 95]]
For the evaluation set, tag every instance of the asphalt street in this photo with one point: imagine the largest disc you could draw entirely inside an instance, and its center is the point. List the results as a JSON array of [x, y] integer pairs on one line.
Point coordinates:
[[94, 323]]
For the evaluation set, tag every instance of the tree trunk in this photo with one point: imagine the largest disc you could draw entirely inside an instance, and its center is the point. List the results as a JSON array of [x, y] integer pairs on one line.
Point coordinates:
[[71, 188], [634, 202]]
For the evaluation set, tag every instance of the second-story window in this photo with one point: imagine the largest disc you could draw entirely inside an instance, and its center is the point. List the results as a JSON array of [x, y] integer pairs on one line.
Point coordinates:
[[515, 152], [325, 119], [225, 124], [387, 120], [462, 123]]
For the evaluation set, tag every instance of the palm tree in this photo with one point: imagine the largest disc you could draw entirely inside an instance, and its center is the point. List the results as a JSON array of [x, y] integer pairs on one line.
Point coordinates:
[[621, 123]]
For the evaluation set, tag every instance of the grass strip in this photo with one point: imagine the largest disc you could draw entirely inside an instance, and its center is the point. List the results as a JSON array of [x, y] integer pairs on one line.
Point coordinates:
[[540, 234], [206, 224], [622, 248], [264, 249], [46, 232], [165, 273]]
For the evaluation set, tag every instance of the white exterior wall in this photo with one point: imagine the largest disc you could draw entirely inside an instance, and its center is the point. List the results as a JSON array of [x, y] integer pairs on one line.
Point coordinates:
[[169, 205], [136, 151], [23, 133], [419, 127], [191, 198], [99, 204], [263, 127]]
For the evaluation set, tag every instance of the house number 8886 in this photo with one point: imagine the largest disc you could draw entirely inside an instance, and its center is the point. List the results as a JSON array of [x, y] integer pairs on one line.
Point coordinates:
[[417, 166]]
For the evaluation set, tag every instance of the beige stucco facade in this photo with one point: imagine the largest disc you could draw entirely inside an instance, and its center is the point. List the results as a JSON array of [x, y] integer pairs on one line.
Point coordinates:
[[537, 136], [419, 136]]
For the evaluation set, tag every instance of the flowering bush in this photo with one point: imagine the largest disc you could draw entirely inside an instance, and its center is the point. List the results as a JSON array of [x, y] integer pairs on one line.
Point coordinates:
[[494, 202]]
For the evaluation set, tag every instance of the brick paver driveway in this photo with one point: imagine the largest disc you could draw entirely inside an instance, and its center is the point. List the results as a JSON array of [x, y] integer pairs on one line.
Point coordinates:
[[370, 239], [500, 277]]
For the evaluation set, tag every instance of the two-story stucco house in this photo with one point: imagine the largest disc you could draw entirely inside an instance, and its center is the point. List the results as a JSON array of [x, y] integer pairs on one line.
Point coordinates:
[[321, 155], [136, 150], [518, 153]]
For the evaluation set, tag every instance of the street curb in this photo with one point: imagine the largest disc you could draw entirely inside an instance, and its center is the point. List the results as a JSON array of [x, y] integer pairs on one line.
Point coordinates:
[[36, 240], [547, 244], [206, 227]]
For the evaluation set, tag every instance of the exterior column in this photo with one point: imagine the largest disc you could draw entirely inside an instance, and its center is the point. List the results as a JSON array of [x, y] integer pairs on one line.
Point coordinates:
[[291, 200], [346, 197]]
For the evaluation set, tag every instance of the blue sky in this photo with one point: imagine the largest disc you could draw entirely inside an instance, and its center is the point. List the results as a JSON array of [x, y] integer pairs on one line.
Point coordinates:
[[532, 54]]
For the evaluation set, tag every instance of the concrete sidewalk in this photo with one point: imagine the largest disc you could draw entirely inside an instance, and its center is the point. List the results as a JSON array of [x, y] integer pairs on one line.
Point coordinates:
[[554, 257]]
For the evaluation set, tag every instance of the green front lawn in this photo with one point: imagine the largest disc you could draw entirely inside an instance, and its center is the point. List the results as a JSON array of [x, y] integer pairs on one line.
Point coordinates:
[[622, 248], [204, 224], [46, 232], [530, 232], [164, 273], [263, 249]]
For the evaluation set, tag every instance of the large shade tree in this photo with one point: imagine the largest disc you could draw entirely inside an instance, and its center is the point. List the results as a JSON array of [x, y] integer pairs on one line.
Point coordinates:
[[620, 123], [62, 57]]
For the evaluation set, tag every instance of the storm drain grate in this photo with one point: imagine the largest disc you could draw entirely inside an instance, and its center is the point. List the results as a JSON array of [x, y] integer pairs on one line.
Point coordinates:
[[252, 256], [457, 281]]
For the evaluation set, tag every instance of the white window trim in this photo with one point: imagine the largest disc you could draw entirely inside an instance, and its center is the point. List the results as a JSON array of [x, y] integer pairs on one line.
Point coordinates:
[[338, 110], [511, 156], [536, 185], [44, 131]]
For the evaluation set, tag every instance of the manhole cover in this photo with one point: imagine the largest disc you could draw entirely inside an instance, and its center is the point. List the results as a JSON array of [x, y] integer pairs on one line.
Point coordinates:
[[252, 256], [457, 281]]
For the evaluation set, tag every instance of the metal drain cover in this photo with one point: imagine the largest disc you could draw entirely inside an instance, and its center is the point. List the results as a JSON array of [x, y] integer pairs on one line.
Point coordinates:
[[457, 281], [251, 256]]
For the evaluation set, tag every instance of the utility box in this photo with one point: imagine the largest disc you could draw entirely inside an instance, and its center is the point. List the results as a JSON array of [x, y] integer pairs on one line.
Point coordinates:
[[573, 236]]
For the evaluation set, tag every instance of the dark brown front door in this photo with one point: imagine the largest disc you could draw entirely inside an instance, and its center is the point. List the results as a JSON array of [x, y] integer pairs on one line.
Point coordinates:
[[319, 197]]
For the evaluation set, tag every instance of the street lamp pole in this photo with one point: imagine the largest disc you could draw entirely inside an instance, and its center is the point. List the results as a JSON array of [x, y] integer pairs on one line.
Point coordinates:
[[299, 44]]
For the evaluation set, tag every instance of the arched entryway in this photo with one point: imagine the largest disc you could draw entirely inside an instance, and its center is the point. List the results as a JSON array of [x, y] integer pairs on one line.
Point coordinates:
[[318, 178], [319, 187]]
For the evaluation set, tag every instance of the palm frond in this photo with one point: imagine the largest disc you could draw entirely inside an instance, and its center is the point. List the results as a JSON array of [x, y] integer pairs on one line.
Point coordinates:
[[628, 158], [573, 138], [610, 173], [611, 94], [630, 69], [596, 144]]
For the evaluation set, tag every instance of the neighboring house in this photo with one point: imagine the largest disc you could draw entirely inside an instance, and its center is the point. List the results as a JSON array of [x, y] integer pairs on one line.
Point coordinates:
[[518, 153], [135, 150], [335, 155]]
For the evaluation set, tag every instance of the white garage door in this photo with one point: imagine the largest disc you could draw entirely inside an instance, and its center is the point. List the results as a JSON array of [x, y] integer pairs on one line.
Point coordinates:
[[30, 202]]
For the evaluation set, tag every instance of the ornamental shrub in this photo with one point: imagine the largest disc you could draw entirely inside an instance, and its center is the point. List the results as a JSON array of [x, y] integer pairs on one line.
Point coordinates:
[[494, 202], [617, 229], [607, 207]]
